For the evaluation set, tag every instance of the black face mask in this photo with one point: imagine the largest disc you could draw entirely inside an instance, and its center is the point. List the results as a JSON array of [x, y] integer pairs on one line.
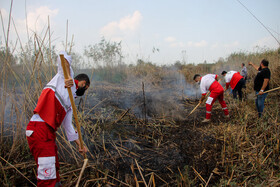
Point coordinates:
[[260, 68], [81, 91]]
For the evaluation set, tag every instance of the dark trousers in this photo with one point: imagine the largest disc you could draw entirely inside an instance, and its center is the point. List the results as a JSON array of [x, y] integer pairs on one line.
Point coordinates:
[[238, 88]]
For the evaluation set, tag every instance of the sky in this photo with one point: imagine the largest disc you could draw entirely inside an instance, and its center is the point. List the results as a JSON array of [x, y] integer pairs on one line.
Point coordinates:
[[191, 30]]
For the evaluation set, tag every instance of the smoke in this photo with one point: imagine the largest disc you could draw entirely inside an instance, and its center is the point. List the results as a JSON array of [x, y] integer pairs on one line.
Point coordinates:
[[12, 111], [163, 95]]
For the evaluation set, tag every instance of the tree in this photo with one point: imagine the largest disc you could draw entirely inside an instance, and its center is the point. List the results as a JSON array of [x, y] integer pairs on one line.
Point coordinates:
[[107, 56], [105, 53]]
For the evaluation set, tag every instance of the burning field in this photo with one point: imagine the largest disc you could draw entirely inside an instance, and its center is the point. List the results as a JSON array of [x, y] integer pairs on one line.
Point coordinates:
[[136, 134], [142, 117], [142, 136], [137, 126], [139, 133]]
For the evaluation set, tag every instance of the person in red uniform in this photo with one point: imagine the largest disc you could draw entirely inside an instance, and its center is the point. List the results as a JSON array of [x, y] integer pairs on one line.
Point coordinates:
[[235, 81], [209, 83], [53, 110]]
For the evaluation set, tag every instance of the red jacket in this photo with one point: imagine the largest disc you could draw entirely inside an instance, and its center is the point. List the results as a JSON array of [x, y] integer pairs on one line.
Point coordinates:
[[232, 78]]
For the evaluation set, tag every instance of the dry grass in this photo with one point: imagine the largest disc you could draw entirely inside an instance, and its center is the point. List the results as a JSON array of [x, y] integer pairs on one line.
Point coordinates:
[[135, 145], [127, 151]]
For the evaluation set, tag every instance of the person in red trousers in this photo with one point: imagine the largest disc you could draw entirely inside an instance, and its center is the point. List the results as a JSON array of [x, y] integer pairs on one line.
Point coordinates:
[[209, 83], [235, 81], [53, 110]]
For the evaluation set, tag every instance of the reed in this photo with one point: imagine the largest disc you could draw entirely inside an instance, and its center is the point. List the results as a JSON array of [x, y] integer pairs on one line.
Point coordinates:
[[126, 148]]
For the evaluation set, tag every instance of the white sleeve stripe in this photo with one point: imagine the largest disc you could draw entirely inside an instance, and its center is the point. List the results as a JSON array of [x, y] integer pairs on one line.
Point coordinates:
[[50, 86]]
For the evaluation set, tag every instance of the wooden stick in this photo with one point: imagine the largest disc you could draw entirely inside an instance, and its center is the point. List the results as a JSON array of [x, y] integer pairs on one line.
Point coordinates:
[[201, 102], [208, 180], [199, 176], [141, 173], [207, 95], [198, 104], [66, 76], [194, 109], [271, 90], [230, 177], [82, 171]]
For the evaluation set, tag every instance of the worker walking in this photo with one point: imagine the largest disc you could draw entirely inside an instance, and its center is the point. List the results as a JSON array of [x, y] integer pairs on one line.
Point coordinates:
[[209, 83], [261, 84], [54, 109], [235, 81]]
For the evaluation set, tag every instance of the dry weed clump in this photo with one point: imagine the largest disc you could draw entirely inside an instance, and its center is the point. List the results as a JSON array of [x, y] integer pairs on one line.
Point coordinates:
[[250, 153]]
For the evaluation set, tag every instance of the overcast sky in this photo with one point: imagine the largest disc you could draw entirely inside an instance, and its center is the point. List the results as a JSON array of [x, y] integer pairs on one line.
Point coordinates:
[[195, 30]]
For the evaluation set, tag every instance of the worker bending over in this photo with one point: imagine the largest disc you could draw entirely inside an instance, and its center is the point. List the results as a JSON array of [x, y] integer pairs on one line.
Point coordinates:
[[54, 109], [209, 83], [235, 81]]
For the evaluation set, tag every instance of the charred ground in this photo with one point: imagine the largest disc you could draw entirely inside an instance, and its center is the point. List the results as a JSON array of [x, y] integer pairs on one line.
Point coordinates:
[[166, 145]]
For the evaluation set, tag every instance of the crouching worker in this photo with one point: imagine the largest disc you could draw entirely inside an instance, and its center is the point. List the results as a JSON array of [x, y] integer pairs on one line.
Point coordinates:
[[235, 81], [54, 109], [209, 83]]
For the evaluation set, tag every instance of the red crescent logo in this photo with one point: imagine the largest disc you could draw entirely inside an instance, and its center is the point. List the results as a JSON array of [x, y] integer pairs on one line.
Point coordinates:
[[46, 173]]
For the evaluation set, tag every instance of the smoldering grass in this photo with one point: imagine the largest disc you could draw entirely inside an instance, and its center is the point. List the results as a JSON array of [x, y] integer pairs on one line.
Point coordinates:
[[124, 148]]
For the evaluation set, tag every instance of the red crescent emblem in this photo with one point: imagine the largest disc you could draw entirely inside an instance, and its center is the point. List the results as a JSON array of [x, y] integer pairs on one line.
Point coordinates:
[[46, 171]]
